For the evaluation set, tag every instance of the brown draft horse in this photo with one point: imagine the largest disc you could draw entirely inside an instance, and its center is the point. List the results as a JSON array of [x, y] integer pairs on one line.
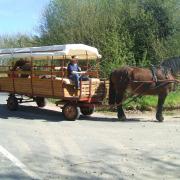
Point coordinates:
[[140, 81]]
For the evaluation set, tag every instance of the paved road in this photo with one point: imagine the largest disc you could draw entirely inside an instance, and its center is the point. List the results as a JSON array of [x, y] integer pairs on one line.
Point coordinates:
[[39, 144]]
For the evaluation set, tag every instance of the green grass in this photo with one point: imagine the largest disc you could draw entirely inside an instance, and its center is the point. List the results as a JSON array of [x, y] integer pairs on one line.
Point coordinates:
[[150, 102]]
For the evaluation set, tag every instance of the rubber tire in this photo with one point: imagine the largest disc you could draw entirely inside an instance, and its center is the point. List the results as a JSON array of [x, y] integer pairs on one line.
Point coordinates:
[[87, 111], [12, 103], [40, 101], [71, 112]]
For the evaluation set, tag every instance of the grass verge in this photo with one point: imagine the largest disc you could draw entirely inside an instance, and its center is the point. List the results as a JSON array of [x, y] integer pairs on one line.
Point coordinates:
[[148, 103]]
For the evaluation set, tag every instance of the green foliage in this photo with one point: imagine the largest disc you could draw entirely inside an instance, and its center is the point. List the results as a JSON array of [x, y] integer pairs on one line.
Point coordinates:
[[138, 32], [160, 14], [116, 52], [15, 41], [131, 32], [127, 32]]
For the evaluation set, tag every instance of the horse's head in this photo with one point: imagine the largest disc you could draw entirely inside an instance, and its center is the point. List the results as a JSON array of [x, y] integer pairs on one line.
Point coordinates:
[[172, 64]]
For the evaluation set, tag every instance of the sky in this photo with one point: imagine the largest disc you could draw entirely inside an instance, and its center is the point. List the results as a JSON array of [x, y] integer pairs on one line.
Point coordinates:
[[21, 16]]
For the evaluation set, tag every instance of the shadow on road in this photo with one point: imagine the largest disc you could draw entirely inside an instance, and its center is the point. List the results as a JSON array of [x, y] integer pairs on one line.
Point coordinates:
[[35, 113], [113, 163], [14, 176], [176, 117], [109, 119], [31, 113]]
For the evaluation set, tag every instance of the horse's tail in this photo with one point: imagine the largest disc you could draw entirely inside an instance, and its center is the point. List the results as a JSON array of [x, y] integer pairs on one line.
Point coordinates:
[[112, 91], [124, 76]]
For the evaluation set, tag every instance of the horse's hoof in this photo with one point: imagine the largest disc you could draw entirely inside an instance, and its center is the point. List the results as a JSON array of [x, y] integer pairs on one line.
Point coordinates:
[[160, 118]]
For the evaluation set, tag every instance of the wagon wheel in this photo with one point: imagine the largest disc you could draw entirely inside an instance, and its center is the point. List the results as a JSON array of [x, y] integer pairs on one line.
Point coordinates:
[[12, 103], [87, 111], [40, 101], [71, 112]]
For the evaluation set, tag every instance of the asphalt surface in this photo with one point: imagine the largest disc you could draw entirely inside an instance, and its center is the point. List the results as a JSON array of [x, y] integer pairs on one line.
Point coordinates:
[[39, 144]]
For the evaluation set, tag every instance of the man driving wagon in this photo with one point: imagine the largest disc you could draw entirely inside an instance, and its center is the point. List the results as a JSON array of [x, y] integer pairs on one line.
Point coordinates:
[[75, 73]]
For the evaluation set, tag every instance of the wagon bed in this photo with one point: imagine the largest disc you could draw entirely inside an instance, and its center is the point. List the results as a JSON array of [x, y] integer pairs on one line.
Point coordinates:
[[92, 90], [52, 82]]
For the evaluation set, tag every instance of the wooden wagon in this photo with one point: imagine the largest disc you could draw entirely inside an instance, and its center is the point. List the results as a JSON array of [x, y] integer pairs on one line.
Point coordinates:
[[48, 78]]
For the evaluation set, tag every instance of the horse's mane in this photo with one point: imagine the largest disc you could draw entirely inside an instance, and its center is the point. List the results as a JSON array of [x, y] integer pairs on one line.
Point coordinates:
[[173, 64]]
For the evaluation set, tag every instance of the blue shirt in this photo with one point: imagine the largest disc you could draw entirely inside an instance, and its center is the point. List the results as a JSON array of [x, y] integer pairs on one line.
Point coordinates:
[[72, 67]]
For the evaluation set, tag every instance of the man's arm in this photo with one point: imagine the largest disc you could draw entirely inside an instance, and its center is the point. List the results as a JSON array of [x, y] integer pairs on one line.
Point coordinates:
[[70, 70], [75, 72], [80, 71]]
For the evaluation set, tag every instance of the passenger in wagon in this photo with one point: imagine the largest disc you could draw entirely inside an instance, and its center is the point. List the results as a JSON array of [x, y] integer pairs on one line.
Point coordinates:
[[22, 65], [74, 71]]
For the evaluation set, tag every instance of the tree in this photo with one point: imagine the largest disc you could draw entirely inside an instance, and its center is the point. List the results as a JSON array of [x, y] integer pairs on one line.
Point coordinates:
[[15, 41], [160, 13], [126, 32]]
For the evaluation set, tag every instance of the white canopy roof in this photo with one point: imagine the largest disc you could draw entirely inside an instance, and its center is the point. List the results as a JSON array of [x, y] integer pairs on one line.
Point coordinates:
[[57, 51]]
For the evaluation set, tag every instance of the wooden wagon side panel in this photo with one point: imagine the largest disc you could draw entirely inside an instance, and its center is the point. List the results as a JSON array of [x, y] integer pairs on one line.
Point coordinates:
[[70, 91], [42, 87], [22, 85], [63, 90], [98, 90], [6, 84], [54, 88], [58, 90]]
